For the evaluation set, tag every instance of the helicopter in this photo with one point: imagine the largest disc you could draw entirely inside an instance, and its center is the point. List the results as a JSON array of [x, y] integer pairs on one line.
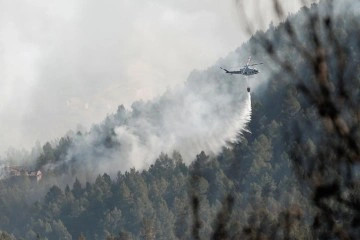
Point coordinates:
[[245, 70]]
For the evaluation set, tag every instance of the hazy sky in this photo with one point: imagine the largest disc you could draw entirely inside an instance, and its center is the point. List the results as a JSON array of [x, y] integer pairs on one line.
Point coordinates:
[[70, 62]]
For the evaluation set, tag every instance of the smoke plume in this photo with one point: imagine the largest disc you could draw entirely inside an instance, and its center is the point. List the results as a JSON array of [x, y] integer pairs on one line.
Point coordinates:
[[204, 114]]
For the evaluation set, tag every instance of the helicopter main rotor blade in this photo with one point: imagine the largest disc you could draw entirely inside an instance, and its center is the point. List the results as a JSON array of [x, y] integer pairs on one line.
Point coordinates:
[[255, 64]]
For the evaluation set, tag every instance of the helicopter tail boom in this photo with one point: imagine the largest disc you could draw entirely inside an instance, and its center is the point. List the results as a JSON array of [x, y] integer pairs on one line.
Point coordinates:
[[225, 70]]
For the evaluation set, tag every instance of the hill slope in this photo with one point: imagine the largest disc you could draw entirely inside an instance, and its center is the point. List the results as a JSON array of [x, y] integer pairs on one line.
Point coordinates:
[[277, 182]]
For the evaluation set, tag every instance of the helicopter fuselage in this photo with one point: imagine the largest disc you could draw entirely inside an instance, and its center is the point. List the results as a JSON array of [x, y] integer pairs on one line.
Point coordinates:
[[245, 71]]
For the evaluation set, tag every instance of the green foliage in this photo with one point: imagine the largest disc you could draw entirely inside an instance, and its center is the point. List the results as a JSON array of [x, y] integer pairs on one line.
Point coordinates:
[[248, 191], [5, 236]]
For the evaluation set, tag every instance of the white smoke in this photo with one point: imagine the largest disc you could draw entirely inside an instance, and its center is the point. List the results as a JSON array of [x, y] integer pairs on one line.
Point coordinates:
[[203, 115]]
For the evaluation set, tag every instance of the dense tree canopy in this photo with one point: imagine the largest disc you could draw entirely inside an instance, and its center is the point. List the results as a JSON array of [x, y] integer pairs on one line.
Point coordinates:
[[292, 177]]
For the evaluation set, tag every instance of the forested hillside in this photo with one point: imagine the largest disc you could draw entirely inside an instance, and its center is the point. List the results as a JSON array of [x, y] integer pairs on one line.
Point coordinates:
[[292, 175], [155, 203]]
